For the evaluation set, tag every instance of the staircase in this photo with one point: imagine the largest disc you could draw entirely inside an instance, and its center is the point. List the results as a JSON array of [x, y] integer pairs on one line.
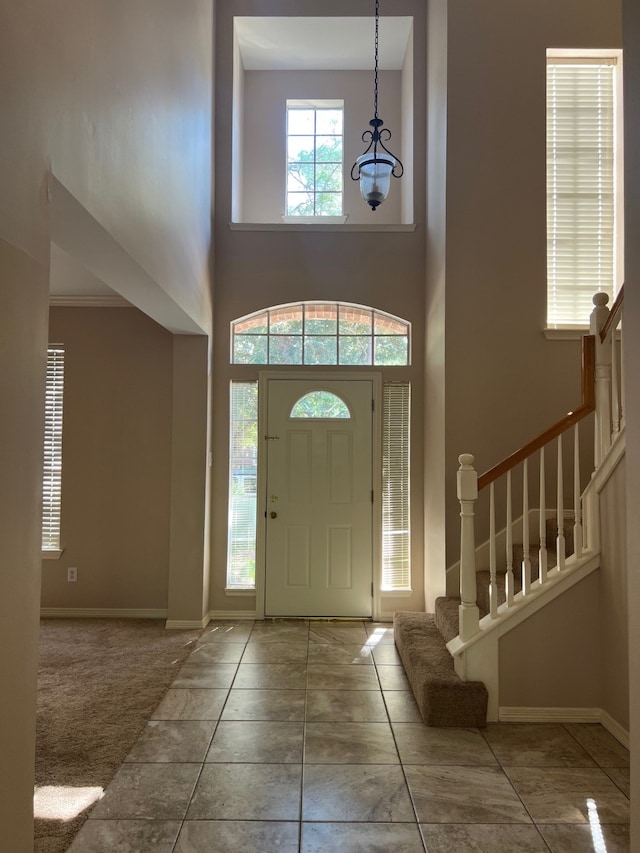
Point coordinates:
[[451, 657], [448, 607], [444, 699]]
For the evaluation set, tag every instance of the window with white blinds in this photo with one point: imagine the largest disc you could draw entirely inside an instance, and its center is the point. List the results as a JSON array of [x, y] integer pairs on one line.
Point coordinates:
[[396, 550], [243, 478], [583, 225], [52, 476]]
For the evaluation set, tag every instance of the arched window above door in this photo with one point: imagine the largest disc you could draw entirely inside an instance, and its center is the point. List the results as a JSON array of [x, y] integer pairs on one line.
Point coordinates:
[[320, 405], [314, 333]]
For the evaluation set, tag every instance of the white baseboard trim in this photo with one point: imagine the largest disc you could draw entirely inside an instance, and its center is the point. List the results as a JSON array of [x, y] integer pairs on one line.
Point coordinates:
[[614, 728], [231, 615], [385, 615], [178, 624], [549, 715], [244, 615], [565, 715], [101, 613]]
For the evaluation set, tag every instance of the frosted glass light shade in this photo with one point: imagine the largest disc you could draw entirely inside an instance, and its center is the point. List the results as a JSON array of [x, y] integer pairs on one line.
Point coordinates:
[[375, 177]]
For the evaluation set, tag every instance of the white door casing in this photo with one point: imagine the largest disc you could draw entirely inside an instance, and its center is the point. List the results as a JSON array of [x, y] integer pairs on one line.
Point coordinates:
[[319, 509]]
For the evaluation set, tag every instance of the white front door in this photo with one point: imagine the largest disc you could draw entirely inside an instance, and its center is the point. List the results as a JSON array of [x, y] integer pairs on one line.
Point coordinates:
[[319, 498]]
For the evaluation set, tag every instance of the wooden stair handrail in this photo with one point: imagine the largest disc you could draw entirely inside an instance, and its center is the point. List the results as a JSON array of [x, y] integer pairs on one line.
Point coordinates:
[[614, 315], [586, 407]]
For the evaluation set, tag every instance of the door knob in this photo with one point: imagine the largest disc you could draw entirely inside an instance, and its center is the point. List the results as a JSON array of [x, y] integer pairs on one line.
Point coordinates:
[[273, 514]]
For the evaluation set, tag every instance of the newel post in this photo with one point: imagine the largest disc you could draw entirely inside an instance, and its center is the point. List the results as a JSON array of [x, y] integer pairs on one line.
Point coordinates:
[[602, 427], [467, 495]]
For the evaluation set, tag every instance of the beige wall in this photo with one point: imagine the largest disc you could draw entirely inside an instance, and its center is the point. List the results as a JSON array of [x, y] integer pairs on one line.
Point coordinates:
[[493, 381], [188, 550], [574, 652], [434, 430], [116, 460], [265, 122], [89, 85], [553, 659], [114, 98], [407, 125], [614, 603], [23, 338], [632, 360], [504, 382], [258, 269]]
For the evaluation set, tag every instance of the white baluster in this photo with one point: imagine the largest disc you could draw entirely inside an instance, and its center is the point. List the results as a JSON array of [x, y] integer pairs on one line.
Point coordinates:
[[526, 559], [615, 388], [493, 588], [577, 503], [508, 580], [602, 426], [560, 545], [469, 615], [542, 524]]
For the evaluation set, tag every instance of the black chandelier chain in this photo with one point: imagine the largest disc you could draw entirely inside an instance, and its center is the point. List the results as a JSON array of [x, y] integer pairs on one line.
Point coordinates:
[[377, 166], [375, 75]]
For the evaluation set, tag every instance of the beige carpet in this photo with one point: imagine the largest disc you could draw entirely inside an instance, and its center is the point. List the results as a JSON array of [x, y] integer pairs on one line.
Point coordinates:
[[99, 682]]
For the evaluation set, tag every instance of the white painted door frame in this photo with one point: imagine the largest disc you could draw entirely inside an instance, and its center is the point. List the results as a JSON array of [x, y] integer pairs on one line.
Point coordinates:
[[375, 377]]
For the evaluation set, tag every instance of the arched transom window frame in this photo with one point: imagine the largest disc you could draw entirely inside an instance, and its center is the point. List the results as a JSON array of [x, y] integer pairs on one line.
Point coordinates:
[[327, 333], [320, 406]]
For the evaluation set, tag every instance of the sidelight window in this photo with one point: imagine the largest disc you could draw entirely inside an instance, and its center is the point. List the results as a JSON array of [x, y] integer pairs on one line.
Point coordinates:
[[243, 478], [396, 531]]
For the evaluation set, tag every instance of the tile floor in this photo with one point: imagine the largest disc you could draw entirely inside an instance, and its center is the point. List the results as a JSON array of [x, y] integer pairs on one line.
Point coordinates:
[[301, 737]]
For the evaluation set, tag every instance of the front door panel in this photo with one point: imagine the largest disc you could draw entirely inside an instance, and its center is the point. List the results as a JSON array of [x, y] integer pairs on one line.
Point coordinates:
[[319, 507]]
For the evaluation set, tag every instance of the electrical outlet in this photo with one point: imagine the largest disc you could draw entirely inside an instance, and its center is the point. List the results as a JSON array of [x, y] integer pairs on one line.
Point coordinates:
[[72, 574]]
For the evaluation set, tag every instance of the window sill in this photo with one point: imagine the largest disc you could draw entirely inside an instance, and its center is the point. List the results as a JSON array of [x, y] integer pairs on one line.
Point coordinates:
[[239, 591], [314, 220], [317, 226], [396, 593], [50, 554], [572, 334]]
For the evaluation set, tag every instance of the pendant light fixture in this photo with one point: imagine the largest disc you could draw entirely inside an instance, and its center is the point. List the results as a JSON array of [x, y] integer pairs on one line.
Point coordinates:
[[374, 168]]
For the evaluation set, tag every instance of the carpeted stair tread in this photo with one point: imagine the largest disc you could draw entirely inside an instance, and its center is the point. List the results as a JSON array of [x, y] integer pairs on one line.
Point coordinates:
[[443, 699], [446, 617]]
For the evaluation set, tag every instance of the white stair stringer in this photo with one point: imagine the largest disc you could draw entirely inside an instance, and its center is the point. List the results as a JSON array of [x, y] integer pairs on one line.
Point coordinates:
[[477, 659]]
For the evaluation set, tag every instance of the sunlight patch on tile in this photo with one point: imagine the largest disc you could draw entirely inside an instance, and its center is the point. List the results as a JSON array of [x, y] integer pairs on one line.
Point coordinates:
[[374, 638], [599, 845]]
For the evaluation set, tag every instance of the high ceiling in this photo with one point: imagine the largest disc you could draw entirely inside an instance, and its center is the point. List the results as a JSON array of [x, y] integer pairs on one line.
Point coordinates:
[[346, 44]]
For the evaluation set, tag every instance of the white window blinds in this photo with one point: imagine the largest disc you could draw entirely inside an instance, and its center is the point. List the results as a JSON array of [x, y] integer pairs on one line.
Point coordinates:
[[243, 475], [581, 186], [396, 551], [52, 476]]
